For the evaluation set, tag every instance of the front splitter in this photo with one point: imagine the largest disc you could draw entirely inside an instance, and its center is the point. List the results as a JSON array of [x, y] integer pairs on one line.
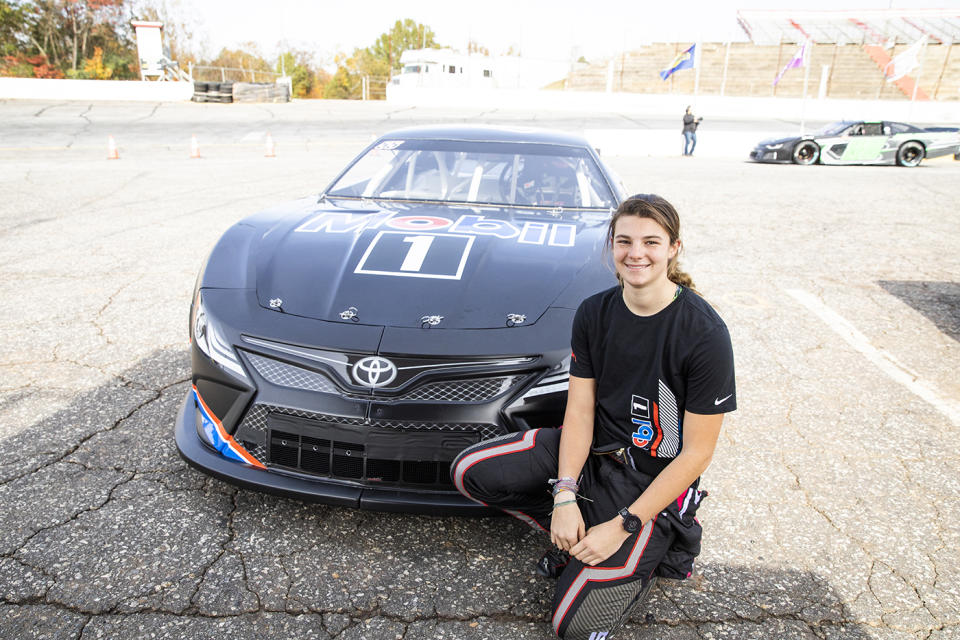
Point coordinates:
[[198, 455]]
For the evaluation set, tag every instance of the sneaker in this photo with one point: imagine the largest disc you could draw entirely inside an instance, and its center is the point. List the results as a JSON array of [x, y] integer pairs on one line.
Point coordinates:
[[552, 563]]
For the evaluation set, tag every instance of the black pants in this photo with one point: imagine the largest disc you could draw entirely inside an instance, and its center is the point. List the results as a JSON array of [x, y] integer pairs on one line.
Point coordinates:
[[511, 473]]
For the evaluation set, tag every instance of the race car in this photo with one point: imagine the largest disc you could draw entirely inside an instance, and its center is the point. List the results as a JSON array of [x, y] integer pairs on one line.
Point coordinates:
[[347, 346], [862, 142]]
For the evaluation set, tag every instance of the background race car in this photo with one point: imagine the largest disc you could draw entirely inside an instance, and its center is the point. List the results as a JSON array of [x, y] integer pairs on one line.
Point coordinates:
[[862, 142]]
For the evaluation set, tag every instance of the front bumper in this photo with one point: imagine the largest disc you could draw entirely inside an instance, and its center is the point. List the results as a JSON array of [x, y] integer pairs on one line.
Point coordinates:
[[762, 154], [202, 457]]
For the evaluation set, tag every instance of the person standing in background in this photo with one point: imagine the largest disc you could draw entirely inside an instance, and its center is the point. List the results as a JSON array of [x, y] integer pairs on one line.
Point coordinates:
[[690, 124]]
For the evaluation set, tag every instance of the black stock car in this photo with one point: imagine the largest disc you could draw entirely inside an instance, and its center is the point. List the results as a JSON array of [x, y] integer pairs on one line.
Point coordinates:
[[345, 348], [860, 142]]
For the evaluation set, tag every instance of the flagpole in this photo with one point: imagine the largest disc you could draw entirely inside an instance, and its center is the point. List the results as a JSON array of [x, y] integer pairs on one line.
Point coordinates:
[[916, 81], [803, 105], [696, 66], [806, 77]]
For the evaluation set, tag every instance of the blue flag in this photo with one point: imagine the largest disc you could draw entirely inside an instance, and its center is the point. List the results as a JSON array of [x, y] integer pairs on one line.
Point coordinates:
[[682, 61]]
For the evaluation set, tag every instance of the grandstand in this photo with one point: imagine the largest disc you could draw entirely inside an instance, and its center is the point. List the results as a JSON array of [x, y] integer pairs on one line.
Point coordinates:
[[849, 58]]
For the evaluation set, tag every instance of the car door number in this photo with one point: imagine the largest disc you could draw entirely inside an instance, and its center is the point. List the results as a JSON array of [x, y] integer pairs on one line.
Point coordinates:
[[395, 253]]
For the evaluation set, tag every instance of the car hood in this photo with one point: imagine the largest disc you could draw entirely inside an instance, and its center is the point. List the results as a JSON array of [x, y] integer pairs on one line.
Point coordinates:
[[772, 141], [411, 265]]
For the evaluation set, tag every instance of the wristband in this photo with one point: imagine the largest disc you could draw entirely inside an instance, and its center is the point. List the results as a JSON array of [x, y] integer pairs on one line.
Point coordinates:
[[565, 483], [560, 504]]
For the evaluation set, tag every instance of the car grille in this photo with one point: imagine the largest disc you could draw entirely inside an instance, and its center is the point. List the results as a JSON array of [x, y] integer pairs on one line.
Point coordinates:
[[476, 390], [312, 443], [458, 391], [348, 460], [287, 375]]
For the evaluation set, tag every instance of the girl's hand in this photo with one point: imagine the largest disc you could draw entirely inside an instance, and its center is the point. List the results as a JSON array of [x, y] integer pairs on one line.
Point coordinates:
[[601, 542], [566, 525]]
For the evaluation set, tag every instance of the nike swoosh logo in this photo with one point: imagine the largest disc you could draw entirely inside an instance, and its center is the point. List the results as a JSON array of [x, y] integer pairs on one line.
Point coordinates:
[[721, 400]]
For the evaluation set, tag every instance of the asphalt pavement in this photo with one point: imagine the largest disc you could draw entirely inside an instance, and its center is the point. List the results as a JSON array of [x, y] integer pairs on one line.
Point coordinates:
[[833, 502]]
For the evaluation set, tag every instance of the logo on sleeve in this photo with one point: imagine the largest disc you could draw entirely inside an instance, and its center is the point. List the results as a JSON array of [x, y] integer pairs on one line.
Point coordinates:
[[719, 401]]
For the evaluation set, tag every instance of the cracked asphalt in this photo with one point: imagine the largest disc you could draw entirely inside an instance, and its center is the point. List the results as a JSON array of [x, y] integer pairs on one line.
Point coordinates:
[[833, 503]]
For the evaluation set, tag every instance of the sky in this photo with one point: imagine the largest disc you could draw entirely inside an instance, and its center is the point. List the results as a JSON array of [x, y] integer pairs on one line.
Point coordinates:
[[549, 29]]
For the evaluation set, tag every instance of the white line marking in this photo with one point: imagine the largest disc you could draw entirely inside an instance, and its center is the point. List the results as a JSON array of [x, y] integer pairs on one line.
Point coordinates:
[[884, 360]]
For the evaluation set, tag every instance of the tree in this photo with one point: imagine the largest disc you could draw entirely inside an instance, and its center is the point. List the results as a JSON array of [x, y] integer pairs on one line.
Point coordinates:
[[179, 27], [14, 24], [342, 85], [247, 57], [94, 68], [378, 60], [474, 47], [306, 78], [51, 37], [85, 17], [405, 34]]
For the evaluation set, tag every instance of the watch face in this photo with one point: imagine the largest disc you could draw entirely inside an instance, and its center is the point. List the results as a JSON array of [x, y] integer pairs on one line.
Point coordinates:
[[631, 523]]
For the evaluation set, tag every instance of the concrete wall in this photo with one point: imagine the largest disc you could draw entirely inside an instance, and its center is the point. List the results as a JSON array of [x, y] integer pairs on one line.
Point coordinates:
[[122, 90], [710, 106]]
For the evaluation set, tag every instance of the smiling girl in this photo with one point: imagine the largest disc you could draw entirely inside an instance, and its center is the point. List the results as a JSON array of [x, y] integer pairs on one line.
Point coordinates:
[[617, 487]]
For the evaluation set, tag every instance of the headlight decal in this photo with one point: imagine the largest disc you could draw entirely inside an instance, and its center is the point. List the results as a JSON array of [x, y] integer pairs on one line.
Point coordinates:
[[219, 439], [211, 342]]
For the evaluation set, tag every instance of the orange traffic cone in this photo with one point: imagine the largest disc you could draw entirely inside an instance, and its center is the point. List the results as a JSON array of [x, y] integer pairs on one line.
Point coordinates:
[[194, 147], [112, 152], [271, 148]]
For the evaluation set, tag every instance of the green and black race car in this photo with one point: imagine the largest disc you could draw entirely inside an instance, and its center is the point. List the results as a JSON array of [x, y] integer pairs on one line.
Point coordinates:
[[862, 142]]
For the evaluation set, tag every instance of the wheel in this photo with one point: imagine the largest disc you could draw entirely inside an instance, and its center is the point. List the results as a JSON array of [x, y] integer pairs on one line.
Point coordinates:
[[910, 154], [806, 152]]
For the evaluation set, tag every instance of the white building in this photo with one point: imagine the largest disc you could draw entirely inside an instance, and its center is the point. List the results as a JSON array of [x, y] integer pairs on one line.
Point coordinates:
[[428, 70]]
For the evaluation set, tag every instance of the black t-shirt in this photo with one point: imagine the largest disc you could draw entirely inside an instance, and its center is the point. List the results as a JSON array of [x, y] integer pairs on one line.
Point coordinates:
[[649, 370]]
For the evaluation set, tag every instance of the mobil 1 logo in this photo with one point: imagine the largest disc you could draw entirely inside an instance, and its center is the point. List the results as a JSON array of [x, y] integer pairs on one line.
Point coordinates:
[[640, 417]]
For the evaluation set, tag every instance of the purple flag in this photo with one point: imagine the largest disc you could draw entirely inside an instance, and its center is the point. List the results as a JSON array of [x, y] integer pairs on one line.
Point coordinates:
[[799, 59]]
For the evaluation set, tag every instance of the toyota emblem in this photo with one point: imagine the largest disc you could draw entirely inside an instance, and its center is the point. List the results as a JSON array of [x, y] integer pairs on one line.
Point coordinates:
[[374, 372]]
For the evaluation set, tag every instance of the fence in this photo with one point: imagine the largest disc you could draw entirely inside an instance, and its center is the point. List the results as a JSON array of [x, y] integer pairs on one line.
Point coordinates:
[[363, 88], [373, 87], [204, 73]]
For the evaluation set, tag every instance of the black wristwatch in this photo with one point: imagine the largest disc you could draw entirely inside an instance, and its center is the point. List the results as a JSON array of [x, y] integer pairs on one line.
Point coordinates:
[[631, 523]]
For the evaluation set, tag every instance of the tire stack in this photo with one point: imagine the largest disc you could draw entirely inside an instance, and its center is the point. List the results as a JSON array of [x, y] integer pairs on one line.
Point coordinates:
[[212, 92]]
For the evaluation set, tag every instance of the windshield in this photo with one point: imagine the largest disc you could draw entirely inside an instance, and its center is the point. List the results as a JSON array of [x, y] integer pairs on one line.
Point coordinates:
[[833, 129], [538, 175]]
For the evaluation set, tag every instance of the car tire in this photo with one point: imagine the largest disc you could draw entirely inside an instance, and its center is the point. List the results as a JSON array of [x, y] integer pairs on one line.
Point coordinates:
[[806, 152], [910, 154]]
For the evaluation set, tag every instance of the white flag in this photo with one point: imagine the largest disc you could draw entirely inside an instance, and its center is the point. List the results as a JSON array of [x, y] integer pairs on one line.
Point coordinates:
[[906, 61]]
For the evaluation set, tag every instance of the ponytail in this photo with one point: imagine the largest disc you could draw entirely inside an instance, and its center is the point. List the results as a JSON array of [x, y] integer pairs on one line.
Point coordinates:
[[680, 277]]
